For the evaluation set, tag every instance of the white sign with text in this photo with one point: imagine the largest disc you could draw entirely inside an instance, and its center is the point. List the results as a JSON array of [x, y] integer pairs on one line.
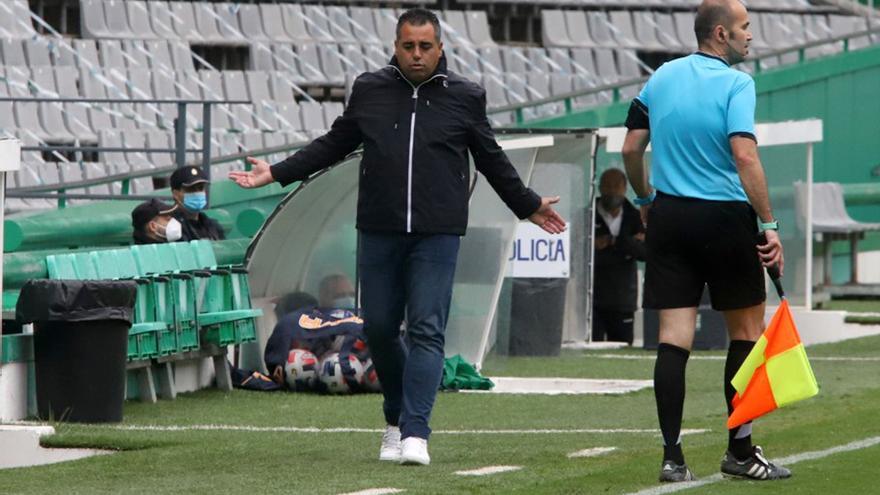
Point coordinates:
[[537, 254]]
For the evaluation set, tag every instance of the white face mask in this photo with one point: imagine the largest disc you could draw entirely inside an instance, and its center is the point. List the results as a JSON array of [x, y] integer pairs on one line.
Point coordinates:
[[173, 230]]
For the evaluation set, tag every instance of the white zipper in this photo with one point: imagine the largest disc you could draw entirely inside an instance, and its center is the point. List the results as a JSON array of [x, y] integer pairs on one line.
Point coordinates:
[[412, 134]]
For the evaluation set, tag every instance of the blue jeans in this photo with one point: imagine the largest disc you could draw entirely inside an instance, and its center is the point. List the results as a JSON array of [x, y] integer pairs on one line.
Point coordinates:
[[407, 276]]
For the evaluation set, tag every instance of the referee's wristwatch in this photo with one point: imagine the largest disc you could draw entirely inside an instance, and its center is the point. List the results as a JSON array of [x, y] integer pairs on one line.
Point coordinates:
[[640, 201], [771, 225]]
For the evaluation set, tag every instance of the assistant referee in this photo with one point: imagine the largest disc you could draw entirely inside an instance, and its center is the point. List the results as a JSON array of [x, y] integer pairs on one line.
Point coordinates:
[[704, 206]]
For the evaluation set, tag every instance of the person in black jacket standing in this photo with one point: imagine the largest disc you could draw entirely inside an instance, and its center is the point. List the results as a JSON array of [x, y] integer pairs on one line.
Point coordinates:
[[417, 122], [620, 242]]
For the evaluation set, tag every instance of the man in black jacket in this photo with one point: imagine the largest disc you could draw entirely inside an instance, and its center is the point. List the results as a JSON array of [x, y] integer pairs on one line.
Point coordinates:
[[619, 242], [417, 122]]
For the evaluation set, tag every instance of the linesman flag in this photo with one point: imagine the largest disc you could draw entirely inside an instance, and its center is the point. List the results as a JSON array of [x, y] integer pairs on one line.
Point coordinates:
[[776, 373]]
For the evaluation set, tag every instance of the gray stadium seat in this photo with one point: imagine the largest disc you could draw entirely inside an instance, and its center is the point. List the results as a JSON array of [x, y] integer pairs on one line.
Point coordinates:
[[258, 86], [310, 64], [667, 34], [70, 173], [843, 25], [160, 20], [228, 23], [87, 53], [273, 24], [137, 159], [160, 139], [15, 20], [340, 25], [52, 119], [353, 54], [184, 21], [206, 23], [315, 18], [606, 66], [251, 141], [578, 28], [331, 63], [289, 116], [817, 28], [684, 27], [562, 58], [97, 170], [265, 116], [138, 15], [136, 55], [139, 84], [583, 63], [158, 54], [600, 29], [92, 21], [181, 56], [538, 59], [561, 84], [111, 55], [363, 25], [490, 59], [27, 117], [313, 118], [280, 87], [468, 62], [234, 86], [294, 22], [378, 55], [455, 26], [98, 118], [478, 28], [622, 28], [386, 24], [262, 57], [514, 58], [36, 51], [13, 52], [646, 31], [553, 30], [251, 23], [628, 64], [117, 19]]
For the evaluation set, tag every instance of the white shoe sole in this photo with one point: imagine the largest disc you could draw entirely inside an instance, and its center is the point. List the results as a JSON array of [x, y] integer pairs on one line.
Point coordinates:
[[388, 457], [412, 461]]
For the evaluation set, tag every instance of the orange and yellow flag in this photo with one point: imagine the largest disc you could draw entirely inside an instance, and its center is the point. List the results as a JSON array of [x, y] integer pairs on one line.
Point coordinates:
[[776, 373]]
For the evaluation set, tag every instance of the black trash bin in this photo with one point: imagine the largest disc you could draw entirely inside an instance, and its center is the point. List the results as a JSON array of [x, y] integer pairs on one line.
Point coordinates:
[[80, 342], [537, 312]]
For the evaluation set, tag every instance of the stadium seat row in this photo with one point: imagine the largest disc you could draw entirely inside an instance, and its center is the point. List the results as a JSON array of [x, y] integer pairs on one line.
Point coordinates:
[[674, 32], [229, 23]]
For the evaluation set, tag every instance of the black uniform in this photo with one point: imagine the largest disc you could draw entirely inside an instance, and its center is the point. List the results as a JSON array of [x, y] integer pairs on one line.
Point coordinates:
[[615, 287], [203, 227]]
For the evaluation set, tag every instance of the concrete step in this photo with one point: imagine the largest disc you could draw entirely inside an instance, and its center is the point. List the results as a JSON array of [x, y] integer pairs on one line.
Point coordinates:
[[21, 447]]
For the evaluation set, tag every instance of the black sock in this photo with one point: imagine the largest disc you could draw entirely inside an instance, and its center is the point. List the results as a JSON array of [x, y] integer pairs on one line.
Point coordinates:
[[741, 448], [669, 392]]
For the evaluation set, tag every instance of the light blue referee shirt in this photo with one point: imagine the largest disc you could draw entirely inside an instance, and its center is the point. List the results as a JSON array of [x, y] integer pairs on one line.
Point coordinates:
[[694, 105]]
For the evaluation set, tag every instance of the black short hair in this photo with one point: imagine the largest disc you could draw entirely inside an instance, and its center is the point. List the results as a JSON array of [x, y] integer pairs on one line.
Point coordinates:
[[614, 176], [418, 17], [709, 15]]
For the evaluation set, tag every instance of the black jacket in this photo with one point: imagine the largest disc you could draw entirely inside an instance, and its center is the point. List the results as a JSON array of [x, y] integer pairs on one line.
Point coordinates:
[[203, 227], [615, 285], [414, 175]]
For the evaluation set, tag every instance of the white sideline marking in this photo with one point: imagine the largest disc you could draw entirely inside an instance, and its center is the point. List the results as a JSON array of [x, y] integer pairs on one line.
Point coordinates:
[[721, 358], [594, 452], [792, 459], [295, 429], [488, 470], [562, 386], [375, 491]]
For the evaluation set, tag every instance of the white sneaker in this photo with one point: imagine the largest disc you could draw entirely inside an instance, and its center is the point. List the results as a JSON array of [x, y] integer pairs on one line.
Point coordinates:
[[414, 450], [390, 450]]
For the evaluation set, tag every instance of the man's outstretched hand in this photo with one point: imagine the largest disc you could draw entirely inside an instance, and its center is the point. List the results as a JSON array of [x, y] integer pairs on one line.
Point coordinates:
[[258, 176], [547, 218]]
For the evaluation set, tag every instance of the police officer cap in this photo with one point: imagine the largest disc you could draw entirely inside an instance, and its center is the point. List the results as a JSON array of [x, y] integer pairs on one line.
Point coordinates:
[[187, 176]]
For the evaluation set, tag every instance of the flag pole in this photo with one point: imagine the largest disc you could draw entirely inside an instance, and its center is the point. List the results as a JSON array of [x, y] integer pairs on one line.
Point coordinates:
[[773, 271]]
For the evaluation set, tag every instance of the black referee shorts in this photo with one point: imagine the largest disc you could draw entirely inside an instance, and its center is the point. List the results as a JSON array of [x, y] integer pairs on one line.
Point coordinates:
[[694, 242]]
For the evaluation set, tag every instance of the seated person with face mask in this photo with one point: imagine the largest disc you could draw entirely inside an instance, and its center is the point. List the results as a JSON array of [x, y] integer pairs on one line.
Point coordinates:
[[153, 223], [189, 186], [619, 241]]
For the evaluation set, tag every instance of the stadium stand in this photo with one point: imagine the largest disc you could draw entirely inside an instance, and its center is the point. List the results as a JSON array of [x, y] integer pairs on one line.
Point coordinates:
[[292, 63]]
